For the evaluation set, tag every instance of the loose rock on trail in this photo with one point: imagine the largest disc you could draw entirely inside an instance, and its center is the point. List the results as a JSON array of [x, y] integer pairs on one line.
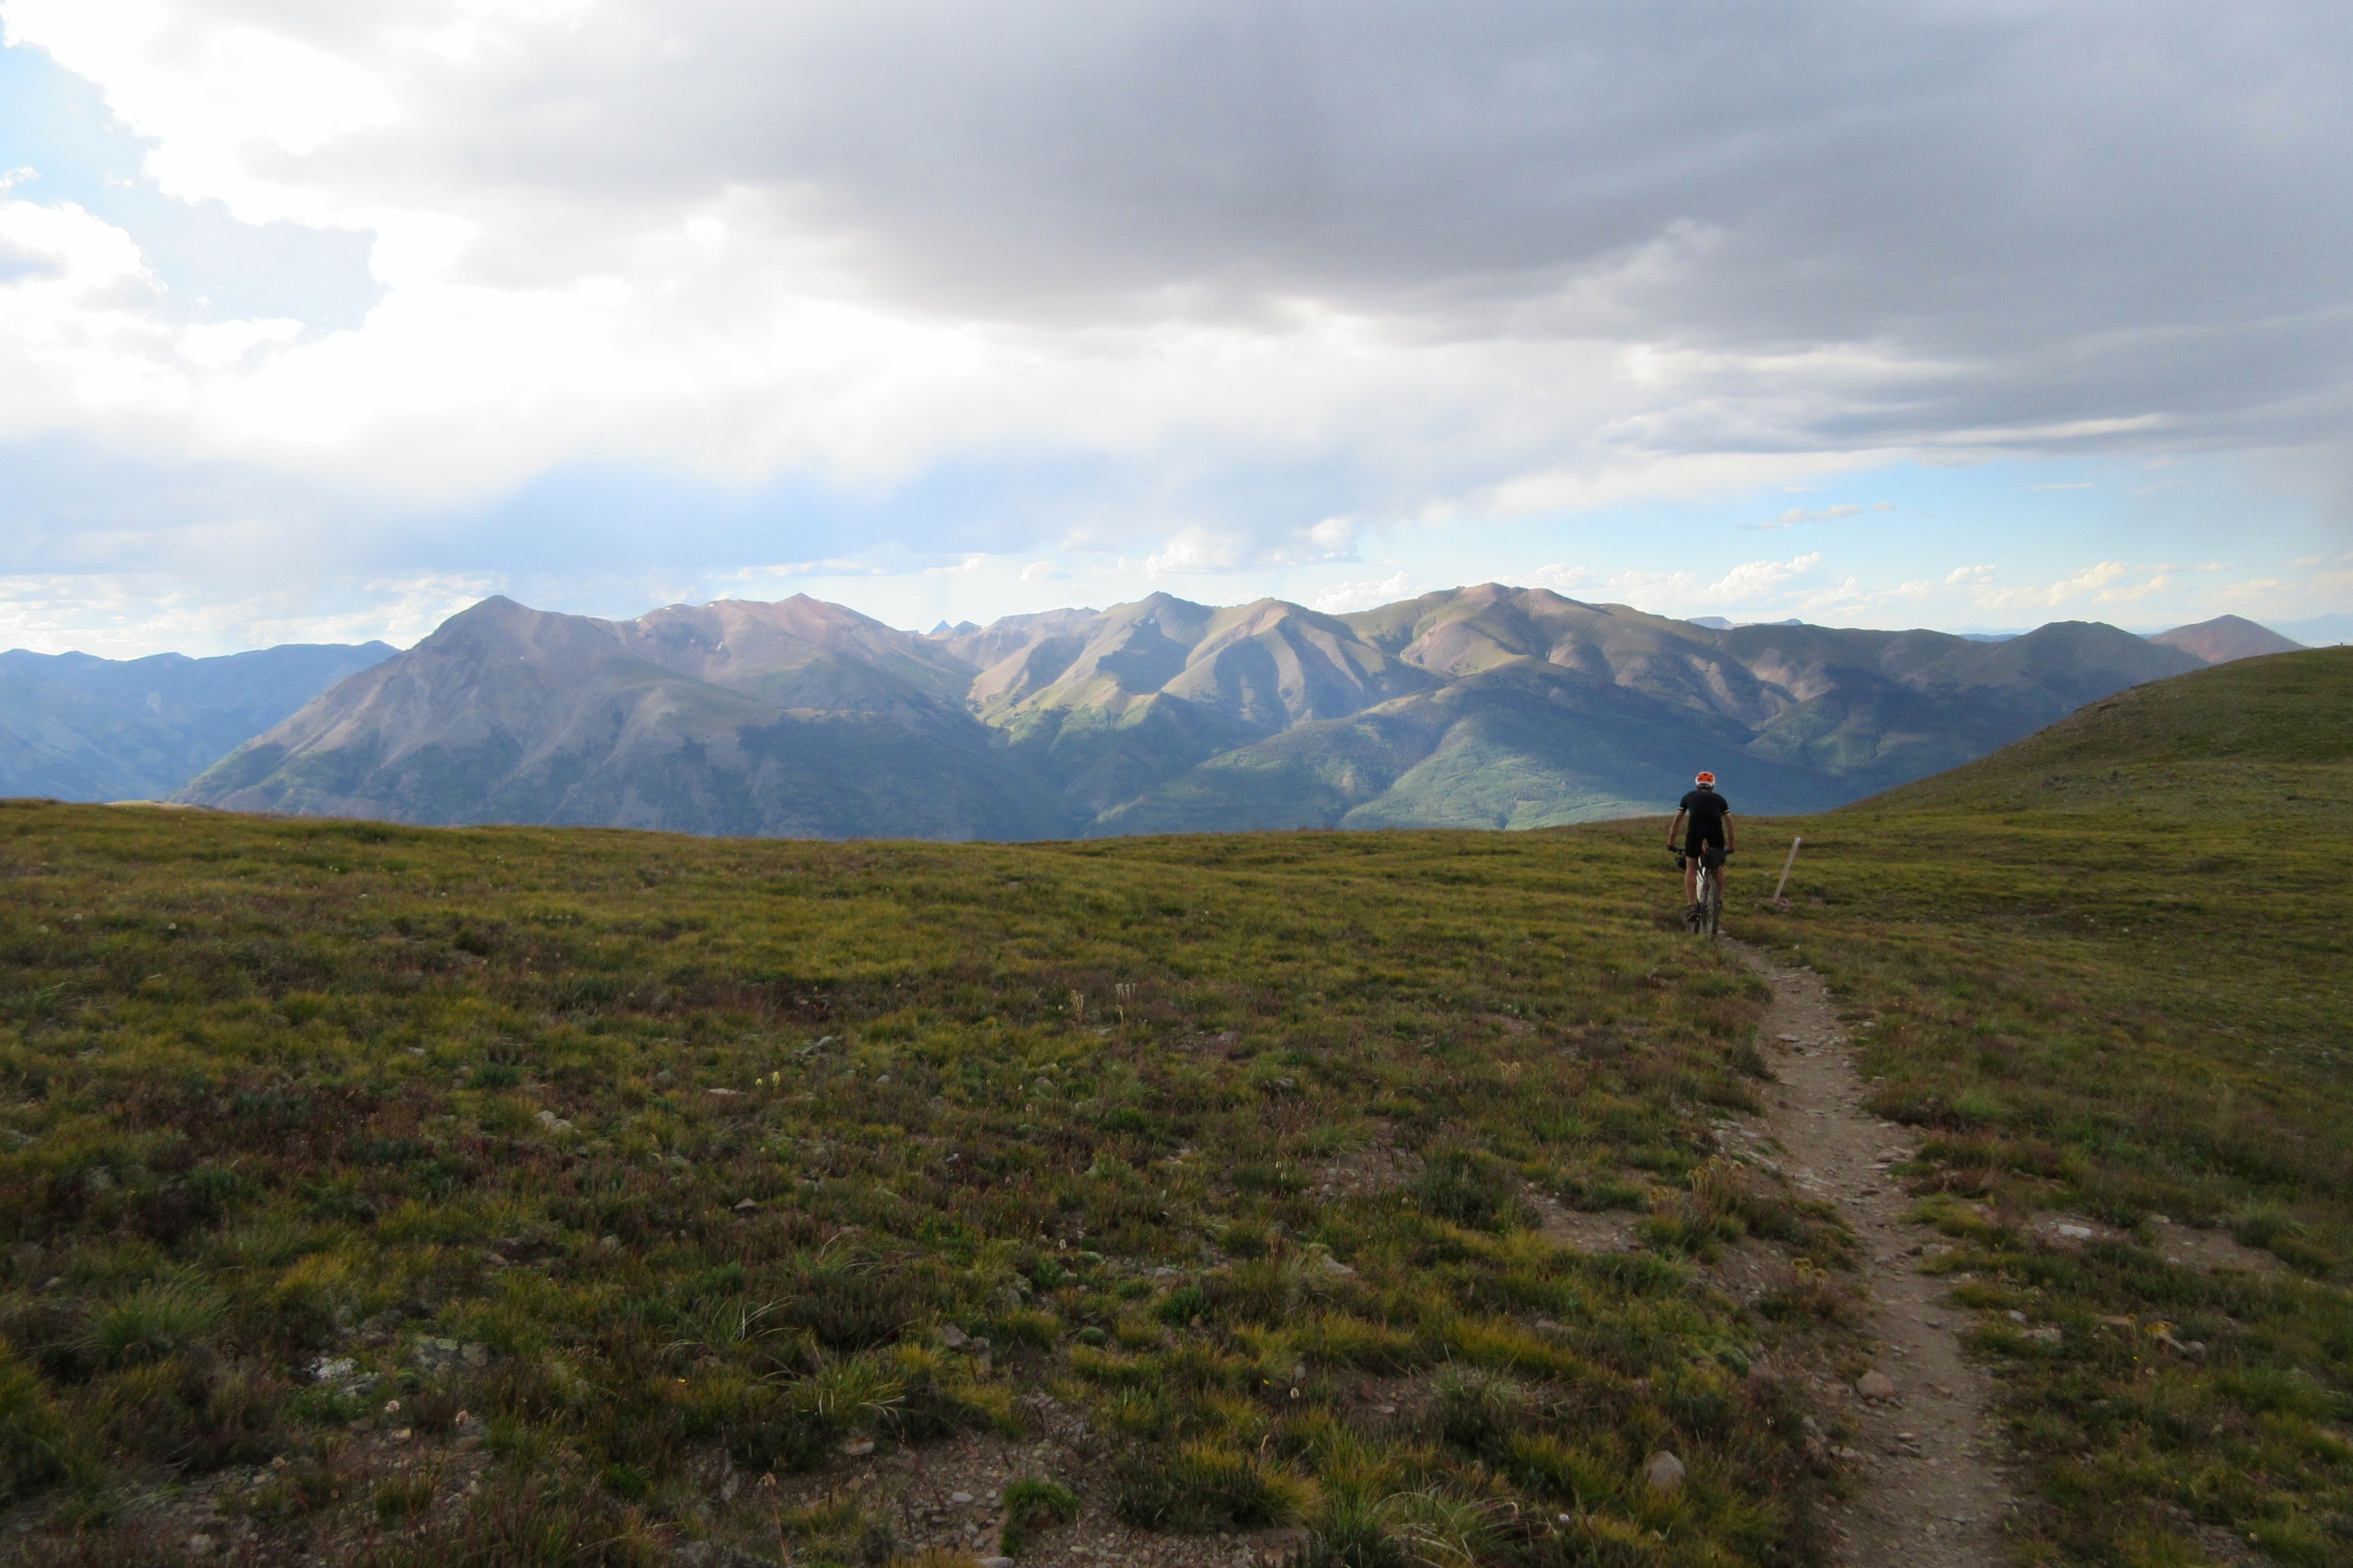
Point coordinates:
[[1927, 1491]]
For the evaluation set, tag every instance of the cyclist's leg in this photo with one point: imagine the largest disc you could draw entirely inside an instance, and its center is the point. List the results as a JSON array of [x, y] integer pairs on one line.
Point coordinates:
[[1698, 851]]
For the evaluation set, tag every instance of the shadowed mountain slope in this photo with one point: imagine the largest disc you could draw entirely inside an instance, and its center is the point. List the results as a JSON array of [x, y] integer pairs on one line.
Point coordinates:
[[78, 728], [2280, 712], [1115, 703], [797, 719], [1524, 745], [1554, 710], [1487, 706], [1878, 708]]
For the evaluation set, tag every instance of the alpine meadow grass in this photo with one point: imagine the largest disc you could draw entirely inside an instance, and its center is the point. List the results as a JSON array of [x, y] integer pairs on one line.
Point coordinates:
[[601, 1155], [482, 1196]]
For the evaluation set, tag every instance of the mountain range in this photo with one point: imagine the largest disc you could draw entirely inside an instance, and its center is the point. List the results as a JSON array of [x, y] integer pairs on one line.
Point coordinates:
[[1488, 706], [79, 728]]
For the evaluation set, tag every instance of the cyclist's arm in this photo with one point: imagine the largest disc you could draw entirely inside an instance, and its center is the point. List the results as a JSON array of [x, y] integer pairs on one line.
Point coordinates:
[[1674, 834], [1732, 839]]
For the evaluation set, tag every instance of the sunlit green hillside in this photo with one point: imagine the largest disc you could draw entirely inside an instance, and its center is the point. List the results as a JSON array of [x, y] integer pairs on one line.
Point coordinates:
[[2108, 967]]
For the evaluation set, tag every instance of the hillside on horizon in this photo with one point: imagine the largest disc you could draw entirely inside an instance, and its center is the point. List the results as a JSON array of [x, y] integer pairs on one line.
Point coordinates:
[[2226, 638], [80, 728], [1481, 707], [2161, 743]]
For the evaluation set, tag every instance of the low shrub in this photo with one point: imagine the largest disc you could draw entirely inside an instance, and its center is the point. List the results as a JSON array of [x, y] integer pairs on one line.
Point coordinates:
[[1204, 1485], [1033, 1504], [32, 1428]]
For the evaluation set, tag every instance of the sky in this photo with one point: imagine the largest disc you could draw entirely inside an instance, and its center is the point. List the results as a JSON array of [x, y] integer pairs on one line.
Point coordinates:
[[321, 320]]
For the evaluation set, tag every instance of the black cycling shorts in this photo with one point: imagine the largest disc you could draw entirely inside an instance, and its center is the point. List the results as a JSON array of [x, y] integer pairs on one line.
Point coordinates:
[[1706, 848]]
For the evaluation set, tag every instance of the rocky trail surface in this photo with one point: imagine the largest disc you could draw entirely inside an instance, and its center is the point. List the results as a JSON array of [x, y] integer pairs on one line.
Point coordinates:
[[1928, 1492]]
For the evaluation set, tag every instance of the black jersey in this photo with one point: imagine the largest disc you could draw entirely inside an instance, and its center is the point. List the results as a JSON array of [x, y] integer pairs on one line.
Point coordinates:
[[1705, 811]]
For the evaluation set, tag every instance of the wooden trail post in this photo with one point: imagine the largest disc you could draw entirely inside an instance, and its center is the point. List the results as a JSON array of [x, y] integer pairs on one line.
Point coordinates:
[[1785, 868]]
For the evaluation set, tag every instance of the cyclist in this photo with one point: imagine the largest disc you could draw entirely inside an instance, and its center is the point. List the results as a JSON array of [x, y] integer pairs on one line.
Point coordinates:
[[1711, 837]]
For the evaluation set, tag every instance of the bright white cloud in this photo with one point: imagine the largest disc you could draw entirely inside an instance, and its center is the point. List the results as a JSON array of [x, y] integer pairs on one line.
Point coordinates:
[[130, 616], [1560, 577], [1342, 598], [1333, 539], [1380, 270], [1752, 581], [2096, 581], [1753, 586], [1196, 550]]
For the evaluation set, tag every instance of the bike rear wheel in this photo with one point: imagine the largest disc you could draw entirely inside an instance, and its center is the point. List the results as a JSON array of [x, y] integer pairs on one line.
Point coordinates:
[[1703, 915]]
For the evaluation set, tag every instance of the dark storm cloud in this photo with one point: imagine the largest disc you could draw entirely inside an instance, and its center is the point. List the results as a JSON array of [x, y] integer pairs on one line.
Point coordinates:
[[2022, 217]]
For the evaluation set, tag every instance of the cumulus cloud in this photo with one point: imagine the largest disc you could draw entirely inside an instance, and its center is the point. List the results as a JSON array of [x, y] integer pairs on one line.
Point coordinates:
[[1562, 578], [1341, 598], [2101, 583], [1196, 550], [1752, 579], [1751, 585], [1200, 550]]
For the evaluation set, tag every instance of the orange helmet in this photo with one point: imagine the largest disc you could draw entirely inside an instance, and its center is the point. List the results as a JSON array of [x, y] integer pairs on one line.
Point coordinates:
[[1704, 778]]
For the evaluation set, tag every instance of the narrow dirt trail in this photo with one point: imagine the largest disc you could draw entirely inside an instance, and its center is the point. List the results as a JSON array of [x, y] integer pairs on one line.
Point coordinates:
[[1928, 1492]]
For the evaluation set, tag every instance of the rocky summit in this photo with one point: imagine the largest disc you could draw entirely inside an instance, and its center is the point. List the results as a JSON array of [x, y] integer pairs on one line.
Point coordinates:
[[1480, 707]]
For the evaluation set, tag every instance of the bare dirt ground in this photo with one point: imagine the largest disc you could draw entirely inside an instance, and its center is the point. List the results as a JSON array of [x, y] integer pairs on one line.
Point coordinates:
[[1928, 1492]]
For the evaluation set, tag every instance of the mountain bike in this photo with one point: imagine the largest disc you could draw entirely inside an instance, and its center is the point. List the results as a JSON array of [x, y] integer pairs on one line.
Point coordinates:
[[1707, 917]]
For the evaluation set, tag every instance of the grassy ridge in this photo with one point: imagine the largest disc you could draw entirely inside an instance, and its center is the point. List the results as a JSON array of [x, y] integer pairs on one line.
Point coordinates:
[[2107, 970], [639, 1148]]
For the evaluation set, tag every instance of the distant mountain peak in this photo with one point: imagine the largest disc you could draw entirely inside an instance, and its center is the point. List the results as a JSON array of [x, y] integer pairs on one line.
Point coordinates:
[[1487, 704], [2224, 638]]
